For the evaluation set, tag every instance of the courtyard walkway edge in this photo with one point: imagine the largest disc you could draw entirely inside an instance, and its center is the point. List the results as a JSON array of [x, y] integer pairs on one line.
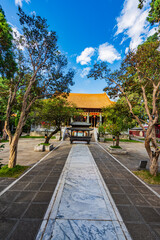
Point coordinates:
[[81, 204], [13, 183]]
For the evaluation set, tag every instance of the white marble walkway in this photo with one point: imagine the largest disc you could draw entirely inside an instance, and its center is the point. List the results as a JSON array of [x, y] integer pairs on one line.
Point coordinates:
[[82, 207]]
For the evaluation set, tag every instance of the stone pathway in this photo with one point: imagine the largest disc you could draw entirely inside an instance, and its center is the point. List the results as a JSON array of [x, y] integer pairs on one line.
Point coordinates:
[[83, 208], [23, 206], [138, 206], [61, 199]]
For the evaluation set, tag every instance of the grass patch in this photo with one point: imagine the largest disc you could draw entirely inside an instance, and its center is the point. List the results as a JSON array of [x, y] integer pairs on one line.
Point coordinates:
[[115, 147], [121, 140], [3, 141], [12, 172], [147, 177], [45, 144], [27, 136]]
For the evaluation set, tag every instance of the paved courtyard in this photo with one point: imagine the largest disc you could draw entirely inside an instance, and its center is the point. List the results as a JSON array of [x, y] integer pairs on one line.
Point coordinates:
[[79, 192], [26, 155]]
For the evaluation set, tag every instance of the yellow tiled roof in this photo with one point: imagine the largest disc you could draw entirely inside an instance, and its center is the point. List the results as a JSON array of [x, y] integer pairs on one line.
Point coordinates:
[[85, 100]]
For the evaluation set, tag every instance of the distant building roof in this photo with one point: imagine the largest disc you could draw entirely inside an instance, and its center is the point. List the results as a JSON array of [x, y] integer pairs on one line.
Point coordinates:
[[87, 100]]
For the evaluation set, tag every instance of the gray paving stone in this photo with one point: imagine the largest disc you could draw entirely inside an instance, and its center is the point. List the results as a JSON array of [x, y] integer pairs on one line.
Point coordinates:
[[25, 197], [130, 214], [6, 227], [144, 190], [19, 186], [9, 196], [33, 186], [156, 229], [39, 179], [55, 174], [137, 205], [149, 214], [138, 200], [140, 232], [121, 199], [15, 210], [109, 180], [25, 179], [130, 189], [153, 200], [115, 188], [36, 211], [26, 230], [123, 182], [48, 187], [3, 206], [51, 179], [43, 197]]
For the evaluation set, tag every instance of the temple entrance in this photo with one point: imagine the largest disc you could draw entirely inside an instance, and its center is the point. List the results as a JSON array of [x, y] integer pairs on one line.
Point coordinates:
[[94, 120]]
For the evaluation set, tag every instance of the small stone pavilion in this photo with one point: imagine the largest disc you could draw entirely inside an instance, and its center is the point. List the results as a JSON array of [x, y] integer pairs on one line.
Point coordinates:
[[92, 105]]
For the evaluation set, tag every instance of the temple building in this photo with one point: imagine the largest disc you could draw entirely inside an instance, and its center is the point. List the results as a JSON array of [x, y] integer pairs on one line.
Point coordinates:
[[91, 105]]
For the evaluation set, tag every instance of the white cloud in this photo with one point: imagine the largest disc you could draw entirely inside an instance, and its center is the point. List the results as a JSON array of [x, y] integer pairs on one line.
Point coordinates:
[[85, 56], [132, 22], [16, 36], [33, 13], [126, 50], [108, 53], [85, 72], [19, 2], [152, 31]]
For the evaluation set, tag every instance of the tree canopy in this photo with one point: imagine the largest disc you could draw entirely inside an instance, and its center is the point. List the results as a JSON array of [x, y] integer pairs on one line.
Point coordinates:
[[41, 72], [154, 13], [118, 119], [7, 58], [138, 80]]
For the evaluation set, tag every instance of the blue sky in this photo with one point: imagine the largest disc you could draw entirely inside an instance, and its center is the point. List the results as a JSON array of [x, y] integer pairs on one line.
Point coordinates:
[[88, 31]]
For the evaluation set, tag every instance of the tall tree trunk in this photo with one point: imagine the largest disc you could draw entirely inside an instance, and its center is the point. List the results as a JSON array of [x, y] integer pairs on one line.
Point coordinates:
[[13, 155], [117, 140], [4, 136], [13, 141], [153, 155], [51, 134]]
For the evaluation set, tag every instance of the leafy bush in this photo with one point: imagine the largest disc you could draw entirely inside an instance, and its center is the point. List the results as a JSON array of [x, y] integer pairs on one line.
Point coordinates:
[[12, 172], [101, 130]]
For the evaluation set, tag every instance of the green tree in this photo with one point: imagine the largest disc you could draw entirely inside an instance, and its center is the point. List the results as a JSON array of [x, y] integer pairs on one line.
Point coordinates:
[[7, 58], [154, 13], [138, 80], [118, 119], [41, 71], [54, 112]]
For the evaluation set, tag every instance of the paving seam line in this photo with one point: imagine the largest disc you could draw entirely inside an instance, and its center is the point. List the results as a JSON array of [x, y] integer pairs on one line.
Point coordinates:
[[55, 200], [12, 184], [158, 195]]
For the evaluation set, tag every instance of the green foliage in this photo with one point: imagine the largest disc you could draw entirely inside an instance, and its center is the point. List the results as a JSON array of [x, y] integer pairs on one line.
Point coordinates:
[[52, 112], [7, 61], [154, 13], [153, 38], [3, 141], [101, 130], [12, 172], [121, 140], [140, 69], [45, 144], [35, 137], [147, 177], [117, 118]]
